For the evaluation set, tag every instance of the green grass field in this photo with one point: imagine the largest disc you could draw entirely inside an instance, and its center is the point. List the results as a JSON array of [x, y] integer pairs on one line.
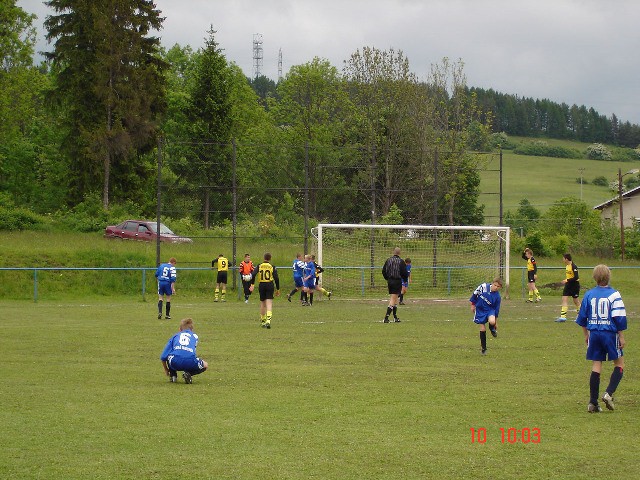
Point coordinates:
[[329, 392], [544, 180]]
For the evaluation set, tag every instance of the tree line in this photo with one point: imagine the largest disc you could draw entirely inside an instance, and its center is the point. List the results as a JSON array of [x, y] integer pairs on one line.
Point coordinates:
[[88, 125], [528, 117]]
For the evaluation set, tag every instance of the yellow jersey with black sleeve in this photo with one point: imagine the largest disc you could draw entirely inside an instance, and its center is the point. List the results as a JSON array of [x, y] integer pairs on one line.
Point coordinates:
[[267, 273], [222, 263]]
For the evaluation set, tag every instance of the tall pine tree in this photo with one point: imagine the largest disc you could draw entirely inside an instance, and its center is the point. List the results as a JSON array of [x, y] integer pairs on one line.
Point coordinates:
[[111, 89]]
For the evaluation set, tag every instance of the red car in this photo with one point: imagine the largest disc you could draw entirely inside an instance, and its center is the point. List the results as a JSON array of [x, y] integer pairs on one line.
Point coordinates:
[[143, 230]]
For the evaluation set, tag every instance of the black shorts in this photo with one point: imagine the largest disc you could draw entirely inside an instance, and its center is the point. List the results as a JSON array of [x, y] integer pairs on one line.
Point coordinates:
[[266, 290], [571, 289], [530, 275], [395, 286], [222, 277]]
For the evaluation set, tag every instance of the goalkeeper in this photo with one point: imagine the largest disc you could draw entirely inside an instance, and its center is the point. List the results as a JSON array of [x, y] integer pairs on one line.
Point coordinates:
[[245, 269]]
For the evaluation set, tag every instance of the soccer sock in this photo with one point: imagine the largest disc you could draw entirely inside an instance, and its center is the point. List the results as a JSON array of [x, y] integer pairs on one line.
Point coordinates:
[[311, 298], [536, 292], [224, 292], [268, 316], [594, 387], [483, 340], [160, 307], [616, 376], [216, 294], [530, 294], [389, 310], [292, 292], [401, 297], [324, 291], [563, 312], [395, 311], [168, 308], [303, 297], [263, 318]]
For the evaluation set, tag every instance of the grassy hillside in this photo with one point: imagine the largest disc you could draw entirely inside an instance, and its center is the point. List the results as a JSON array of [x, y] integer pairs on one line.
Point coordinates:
[[543, 180]]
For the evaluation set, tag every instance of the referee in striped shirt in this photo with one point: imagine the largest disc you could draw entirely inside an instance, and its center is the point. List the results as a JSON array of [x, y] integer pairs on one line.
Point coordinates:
[[394, 272]]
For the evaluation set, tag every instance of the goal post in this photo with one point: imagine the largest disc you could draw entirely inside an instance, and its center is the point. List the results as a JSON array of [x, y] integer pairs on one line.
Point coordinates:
[[447, 261]]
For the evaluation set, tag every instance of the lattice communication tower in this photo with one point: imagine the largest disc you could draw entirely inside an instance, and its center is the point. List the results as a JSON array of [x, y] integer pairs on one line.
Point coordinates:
[[258, 55]]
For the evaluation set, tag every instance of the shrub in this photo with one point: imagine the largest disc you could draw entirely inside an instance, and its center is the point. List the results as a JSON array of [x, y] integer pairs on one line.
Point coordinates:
[[14, 219], [540, 148], [600, 181], [598, 151]]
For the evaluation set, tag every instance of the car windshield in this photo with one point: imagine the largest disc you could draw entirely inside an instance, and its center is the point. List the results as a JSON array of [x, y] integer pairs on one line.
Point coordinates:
[[164, 230]]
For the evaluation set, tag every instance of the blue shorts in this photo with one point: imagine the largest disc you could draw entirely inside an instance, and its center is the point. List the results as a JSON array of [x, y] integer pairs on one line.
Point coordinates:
[[483, 317], [193, 365], [603, 344], [309, 283], [405, 283], [297, 281], [164, 288]]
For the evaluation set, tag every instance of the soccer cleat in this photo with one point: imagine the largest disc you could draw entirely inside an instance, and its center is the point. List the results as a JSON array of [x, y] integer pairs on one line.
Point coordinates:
[[396, 320], [288, 298], [329, 295], [608, 400], [267, 325], [529, 300], [594, 408], [561, 319], [401, 303], [159, 316], [538, 299], [246, 301], [386, 320], [187, 377], [493, 331], [168, 317], [215, 299], [173, 379], [484, 352]]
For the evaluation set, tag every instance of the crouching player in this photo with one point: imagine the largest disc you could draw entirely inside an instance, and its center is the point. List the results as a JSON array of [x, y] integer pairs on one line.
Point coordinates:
[[485, 305], [180, 354]]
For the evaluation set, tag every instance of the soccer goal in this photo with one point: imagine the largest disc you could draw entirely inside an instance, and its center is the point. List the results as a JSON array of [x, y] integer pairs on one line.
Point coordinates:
[[446, 261]]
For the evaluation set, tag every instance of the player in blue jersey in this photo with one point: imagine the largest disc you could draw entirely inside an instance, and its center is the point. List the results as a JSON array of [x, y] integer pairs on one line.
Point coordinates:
[[298, 272], [485, 305], [308, 278], [166, 275], [603, 318], [405, 283], [180, 354]]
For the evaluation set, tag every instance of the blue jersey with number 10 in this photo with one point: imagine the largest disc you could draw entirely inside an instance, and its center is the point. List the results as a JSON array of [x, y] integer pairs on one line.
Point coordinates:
[[602, 309]]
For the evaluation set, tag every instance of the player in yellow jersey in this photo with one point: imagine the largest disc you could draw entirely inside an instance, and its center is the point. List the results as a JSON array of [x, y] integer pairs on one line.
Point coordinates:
[[268, 284], [571, 287], [532, 275], [221, 280]]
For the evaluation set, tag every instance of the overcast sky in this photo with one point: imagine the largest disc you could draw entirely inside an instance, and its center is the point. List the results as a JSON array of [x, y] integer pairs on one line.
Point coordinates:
[[582, 52]]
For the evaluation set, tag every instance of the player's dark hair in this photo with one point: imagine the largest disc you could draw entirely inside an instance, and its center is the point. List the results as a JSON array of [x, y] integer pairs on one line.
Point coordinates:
[[567, 256], [407, 260], [267, 256]]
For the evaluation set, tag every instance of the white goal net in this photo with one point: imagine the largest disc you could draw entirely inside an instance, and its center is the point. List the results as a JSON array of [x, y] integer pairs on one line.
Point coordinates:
[[446, 261]]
